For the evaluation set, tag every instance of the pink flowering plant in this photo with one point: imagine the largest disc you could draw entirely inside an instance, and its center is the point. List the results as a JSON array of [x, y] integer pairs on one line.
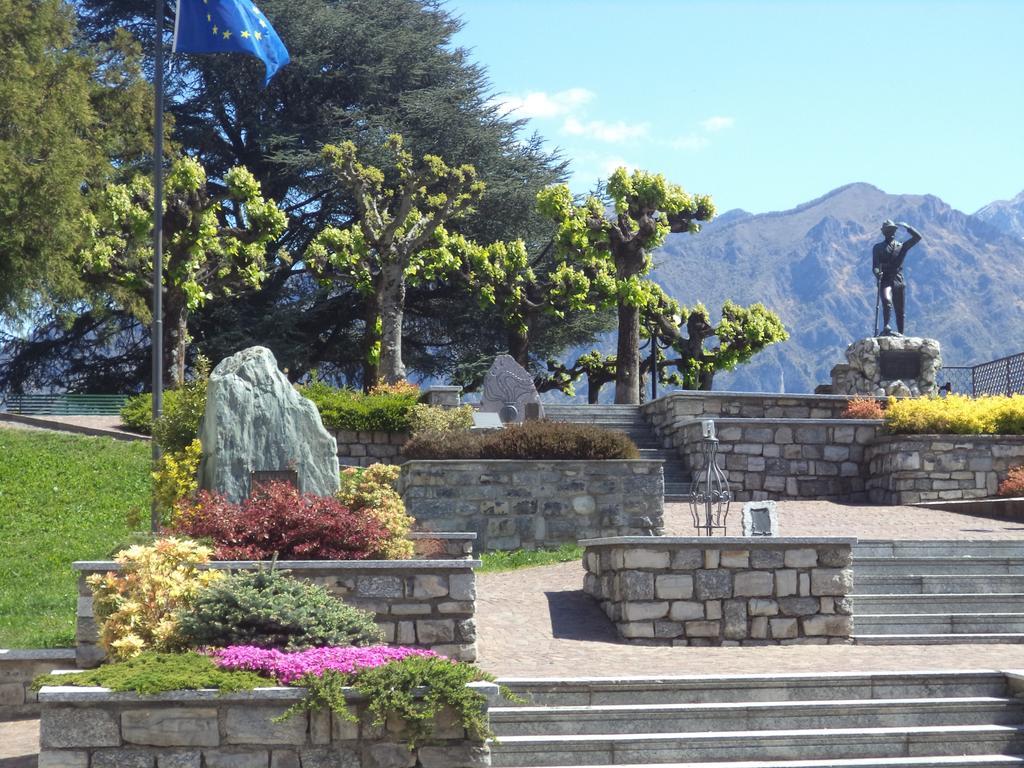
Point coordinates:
[[289, 668], [412, 684]]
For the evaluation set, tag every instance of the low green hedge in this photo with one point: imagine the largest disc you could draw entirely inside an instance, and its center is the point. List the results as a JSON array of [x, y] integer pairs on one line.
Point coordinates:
[[532, 440], [348, 410]]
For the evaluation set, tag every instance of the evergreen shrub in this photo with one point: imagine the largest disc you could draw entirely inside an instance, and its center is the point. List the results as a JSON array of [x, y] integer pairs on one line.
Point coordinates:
[[271, 609], [278, 520], [385, 409], [531, 440]]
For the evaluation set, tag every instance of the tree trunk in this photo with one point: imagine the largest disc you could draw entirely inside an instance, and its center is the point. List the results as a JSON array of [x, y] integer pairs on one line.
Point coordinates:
[[392, 307], [519, 346], [175, 339], [371, 341], [627, 368]]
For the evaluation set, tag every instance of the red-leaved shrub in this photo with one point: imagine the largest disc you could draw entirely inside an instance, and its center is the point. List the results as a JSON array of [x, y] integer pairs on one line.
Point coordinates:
[[279, 519], [859, 408], [1013, 485]]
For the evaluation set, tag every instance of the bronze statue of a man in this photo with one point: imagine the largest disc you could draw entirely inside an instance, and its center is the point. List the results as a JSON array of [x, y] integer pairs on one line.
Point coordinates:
[[887, 264]]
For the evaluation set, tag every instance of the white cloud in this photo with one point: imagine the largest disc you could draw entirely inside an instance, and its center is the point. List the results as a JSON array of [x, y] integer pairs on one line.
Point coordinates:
[[613, 133], [692, 142], [717, 123], [612, 164], [546, 105]]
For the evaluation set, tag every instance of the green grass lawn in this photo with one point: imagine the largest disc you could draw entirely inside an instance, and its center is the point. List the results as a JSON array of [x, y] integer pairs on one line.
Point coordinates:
[[62, 498], [492, 562]]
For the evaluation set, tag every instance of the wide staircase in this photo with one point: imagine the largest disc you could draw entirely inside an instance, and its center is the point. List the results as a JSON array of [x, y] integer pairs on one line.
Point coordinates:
[[924, 592], [629, 419], [869, 720]]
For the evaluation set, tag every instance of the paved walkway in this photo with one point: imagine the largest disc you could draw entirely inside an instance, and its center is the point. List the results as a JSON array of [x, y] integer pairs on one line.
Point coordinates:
[[19, 743]]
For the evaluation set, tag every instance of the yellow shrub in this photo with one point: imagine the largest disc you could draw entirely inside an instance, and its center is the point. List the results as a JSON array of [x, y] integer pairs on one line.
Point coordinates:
[[373, 491], [403, 388], [957, 414], [434, 418], [176, 480], [136, 609]]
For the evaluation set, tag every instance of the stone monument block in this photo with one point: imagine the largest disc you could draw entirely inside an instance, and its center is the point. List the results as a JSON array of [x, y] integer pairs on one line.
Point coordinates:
[[901, 366], [508, 387], [256, 421]]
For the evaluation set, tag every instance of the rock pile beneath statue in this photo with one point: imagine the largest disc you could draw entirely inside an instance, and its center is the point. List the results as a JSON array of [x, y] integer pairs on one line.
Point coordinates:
[[873, 364], [255, 420]]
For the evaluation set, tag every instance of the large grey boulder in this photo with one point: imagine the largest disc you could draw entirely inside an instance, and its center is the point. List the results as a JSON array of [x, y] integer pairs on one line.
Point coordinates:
[[256, 420]]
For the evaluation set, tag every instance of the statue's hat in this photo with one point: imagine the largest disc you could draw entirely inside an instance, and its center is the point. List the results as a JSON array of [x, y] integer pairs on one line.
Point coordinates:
[[889, 226]]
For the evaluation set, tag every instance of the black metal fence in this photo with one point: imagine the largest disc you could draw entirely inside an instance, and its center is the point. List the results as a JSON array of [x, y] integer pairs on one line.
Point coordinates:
[[1004, 376]]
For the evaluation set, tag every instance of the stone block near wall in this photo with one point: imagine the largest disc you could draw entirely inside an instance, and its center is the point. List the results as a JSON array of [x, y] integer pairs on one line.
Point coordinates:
[[95, 727], [535, 504], [703, 591], [361, 449], [422, 603], [906, 469]]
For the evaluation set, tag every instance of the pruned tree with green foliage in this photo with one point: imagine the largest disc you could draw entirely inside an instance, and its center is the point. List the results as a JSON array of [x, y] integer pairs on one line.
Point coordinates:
[[741, 333], [646, 209], [216, 237], [525, 290], [398, 236]]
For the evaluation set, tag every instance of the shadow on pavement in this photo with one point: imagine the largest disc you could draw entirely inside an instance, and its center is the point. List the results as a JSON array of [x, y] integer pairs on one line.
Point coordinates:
[[575, 616]]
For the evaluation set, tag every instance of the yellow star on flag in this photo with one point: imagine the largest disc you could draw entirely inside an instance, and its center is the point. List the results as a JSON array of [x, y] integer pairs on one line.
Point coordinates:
[[262, 23], [215, 29], [245, 33], [258, 35], [227, 34]]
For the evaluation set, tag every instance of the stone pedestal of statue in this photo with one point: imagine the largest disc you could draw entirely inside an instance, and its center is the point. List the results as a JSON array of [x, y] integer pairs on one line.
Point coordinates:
[[901, 366]]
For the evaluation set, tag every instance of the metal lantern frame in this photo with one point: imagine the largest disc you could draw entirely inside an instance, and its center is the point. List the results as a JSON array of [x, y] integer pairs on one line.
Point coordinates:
[[710, 495]]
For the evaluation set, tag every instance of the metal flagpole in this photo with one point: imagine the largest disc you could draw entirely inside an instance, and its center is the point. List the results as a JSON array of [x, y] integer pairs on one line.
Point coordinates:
[[157, 330]]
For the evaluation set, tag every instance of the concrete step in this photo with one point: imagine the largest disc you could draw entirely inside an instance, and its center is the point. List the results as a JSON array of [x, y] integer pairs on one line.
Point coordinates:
[[937, 566], [954, 761], [817, 744], [939, 548], [948, 603], [939, 639], [938, 623], [754, 716], [695, 689], [907, 584]]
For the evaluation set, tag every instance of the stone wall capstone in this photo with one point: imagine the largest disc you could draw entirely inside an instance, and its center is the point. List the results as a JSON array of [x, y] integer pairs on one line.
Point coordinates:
[[422, 603], [95, 728], [18, 668], [535, 504], [255, 420], [704, 591]]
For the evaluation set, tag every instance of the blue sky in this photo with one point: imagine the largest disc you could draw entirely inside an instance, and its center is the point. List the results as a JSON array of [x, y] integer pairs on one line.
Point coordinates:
[[765, 105]]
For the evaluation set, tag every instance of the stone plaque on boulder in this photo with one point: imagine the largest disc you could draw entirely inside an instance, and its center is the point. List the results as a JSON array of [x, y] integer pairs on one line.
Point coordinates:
[[255, 421], [508, 387], [901, 366]]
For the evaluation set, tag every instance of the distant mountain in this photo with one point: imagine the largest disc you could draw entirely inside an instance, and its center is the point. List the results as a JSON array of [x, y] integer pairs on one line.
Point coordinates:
[[812, 265], [1005, 215]]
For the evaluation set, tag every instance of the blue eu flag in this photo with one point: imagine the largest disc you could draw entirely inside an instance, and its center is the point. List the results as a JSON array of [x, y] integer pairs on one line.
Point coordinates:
[[228, 26]]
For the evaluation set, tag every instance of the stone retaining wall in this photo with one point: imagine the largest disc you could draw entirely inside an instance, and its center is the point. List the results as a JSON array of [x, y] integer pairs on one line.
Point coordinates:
[[670, 413], [421, 603], [361, 449], [94, 728], [904, 469], [724, 590], [788, 458], [535, 504], [18, 668]]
